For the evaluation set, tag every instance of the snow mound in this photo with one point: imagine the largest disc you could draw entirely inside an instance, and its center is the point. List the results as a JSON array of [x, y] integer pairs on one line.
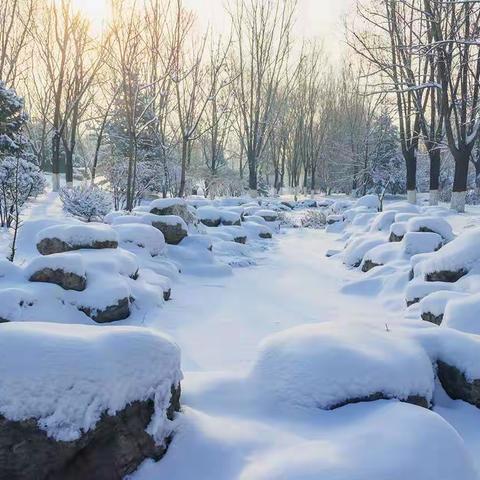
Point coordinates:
[[421, 242], [141, 237], [431, 224], [393, 441], [359, 246], [330, 364], [162, 203], [458, 257], [383, 221], [463, 314], [67, 376], [68, 262], [370, 201], [436, 302]]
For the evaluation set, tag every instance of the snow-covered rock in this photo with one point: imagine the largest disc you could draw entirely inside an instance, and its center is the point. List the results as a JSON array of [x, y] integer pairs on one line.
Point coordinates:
[[463, 313], [66, 237], [359, 246], [72, 396], [452, 261], [431, 224], [267, 215], [172, 206], [414, 243], [141, 238], [328, 365], [372, 202], [432, 307], [209, 216], [66, 270]]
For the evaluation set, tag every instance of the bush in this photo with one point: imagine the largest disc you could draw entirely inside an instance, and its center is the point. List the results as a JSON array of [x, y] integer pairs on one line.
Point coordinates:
[[313, 219], [86, 201]]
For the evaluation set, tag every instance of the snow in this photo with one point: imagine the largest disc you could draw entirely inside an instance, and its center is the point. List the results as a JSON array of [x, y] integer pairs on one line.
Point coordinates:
[[321, 366], [357, 248], [142, 236], [463, 253], [433, 224], [421, 242], [68, 375], [162, 203], [463, 314], [79, 234], [68, 262], [436, 302], [370, 201]]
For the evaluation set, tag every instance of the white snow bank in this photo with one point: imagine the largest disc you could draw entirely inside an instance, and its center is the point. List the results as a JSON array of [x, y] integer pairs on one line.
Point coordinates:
[[208, 213], [145, 237], [83, 234], [324, 365], [394, 441], [463, 314], [66, 376]]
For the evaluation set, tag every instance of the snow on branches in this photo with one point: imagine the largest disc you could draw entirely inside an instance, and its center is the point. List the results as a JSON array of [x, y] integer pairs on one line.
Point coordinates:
[[87, 202]]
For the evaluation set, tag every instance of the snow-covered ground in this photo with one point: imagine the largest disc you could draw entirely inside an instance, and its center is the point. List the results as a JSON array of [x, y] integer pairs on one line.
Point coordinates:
[[269, 349]]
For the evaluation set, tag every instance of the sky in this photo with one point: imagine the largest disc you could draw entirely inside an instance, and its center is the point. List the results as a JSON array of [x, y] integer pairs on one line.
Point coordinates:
[[315, 18]]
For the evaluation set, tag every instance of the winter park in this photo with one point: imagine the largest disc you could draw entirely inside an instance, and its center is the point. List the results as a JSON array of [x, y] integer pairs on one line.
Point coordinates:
[[239, 240]]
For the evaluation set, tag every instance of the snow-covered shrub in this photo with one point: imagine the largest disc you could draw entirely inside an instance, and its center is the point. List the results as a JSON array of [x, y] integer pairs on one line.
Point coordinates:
[[86, 201], [148, 179], [313, 219], [20, 180], [472, 198]]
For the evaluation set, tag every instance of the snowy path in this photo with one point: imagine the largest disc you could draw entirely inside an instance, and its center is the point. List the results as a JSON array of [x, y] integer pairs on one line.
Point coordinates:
[[219, 322]]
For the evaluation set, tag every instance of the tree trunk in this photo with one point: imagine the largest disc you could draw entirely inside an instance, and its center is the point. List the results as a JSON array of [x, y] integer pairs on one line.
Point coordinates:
[[435, 158], [460, 181], [252, 172], [411, 164], [181, 190]]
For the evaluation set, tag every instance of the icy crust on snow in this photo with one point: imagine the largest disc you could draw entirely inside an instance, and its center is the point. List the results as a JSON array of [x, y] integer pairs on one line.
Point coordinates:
[[325, 365], [67, 376], [79, 234], [394, 441], [463, 253], [68, 262]]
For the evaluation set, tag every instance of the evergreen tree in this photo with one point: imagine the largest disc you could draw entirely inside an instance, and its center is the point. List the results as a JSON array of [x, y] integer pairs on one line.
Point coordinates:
[[12, 122]]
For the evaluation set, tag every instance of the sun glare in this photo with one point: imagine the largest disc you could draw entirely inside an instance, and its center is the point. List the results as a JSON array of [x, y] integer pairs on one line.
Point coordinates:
[[95, 10]]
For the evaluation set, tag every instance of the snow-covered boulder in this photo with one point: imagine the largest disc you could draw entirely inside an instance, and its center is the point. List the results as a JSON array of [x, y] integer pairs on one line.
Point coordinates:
[[172, 206], [383, 221], [255, 230], [66, 237], [196, 241], [13, 301], [255, 219], [431, 224], [463, 313], [372, 202], [458, 361], [229, 217], [381, 255], [66, 270], [209, 216], [452, 261], [358, 247], [385, 440], [84, 402], [418, 289], [173, 227], [397, 231], [432, 307], [238, 233], [414, 243], [328, 365], [334, 218], [267, 215], [141, 238]]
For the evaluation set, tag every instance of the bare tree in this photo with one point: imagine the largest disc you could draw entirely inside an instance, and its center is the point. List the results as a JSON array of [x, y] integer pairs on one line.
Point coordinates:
[[262, 33]]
